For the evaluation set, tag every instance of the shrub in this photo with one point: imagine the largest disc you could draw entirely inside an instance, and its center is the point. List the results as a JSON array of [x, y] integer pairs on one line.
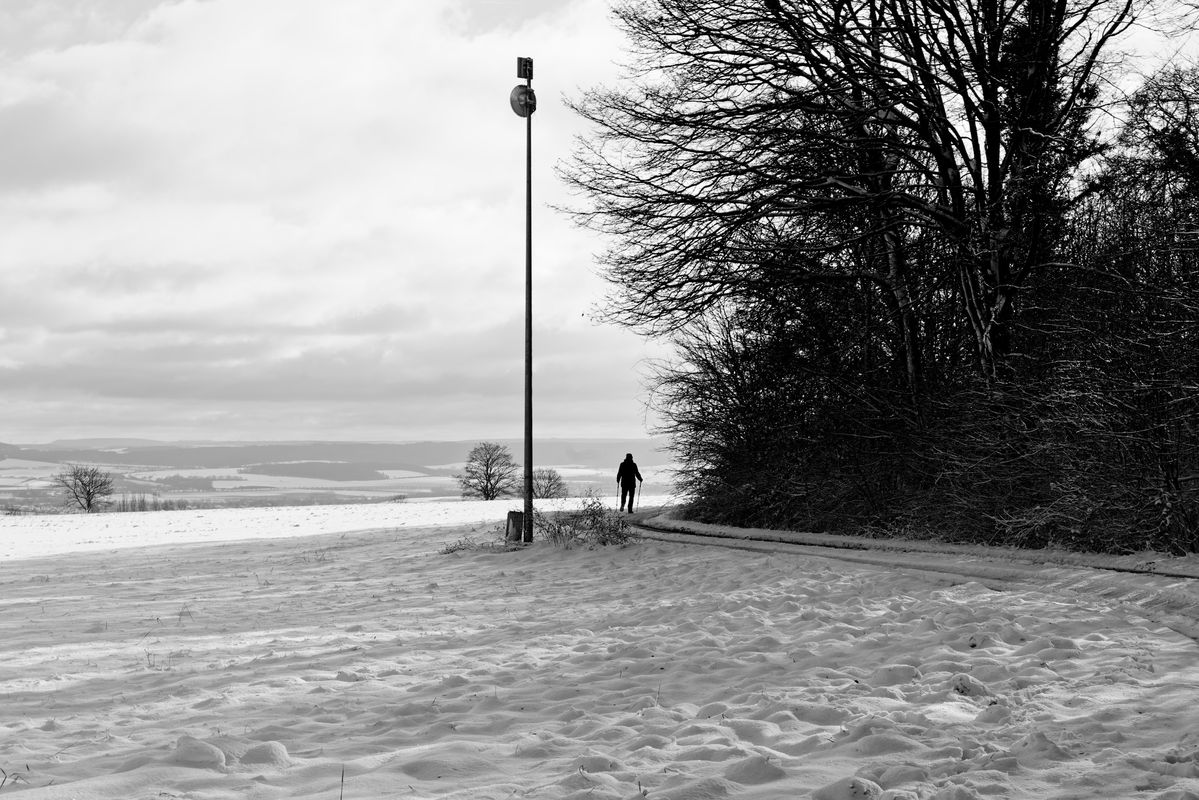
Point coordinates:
[[594, 524], [495, 542]]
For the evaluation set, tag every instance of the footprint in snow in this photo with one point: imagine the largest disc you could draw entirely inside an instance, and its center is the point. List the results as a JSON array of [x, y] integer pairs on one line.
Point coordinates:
[[968, 686], [194, 753], [754, 770], [849, 789], [893, 675], [1037, 748], [273, 753]]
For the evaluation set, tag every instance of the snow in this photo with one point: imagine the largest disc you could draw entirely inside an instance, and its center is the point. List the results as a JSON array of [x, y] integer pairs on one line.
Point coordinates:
[[264, 653], [26, 536]]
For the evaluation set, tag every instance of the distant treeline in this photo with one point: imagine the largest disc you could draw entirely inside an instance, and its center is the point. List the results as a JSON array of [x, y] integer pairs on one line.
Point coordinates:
[[143, 502]]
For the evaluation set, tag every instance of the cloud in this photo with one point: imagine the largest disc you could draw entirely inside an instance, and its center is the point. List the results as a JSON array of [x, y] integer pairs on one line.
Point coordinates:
[[216, 207], [29, 27], [409, 387], [509, 16], [43, 148]]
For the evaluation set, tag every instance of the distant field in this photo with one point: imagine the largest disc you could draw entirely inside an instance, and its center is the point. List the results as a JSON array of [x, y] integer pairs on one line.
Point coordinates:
[[296, 474], [321, 470]]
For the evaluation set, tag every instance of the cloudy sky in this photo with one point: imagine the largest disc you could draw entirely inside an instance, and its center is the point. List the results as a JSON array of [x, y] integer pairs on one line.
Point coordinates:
[[278, 219]]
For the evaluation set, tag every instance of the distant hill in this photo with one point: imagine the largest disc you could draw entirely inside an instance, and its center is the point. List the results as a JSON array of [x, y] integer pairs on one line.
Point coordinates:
[[322, 470], [598, 453], [211, 474], [97, 444]]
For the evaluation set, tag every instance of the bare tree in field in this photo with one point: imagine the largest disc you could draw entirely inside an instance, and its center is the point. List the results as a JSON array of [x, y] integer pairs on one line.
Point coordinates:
[[490, 472], [548, 482], [85, 486]]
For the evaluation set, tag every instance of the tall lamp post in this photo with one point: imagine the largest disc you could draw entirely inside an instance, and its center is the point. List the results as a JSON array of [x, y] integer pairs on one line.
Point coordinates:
[[524, 103]]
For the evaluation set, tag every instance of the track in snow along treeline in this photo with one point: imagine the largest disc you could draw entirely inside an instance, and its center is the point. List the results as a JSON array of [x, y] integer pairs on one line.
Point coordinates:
[[1169, 596]]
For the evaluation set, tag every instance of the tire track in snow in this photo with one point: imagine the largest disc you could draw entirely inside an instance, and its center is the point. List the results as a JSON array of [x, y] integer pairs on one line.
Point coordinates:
[[1167, 597]]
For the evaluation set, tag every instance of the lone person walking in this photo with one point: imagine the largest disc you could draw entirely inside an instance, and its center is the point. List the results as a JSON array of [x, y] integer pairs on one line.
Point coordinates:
[[627, 477]]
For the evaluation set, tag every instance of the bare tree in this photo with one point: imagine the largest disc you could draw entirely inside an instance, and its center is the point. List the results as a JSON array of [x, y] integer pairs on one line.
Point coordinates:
[[904, 290], [766, 144], [1163, 126], [490, 472], [547, 483], [85, 486]]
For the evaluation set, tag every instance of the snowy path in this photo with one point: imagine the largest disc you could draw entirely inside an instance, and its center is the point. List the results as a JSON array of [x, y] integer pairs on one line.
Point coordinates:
[[1164, 590]]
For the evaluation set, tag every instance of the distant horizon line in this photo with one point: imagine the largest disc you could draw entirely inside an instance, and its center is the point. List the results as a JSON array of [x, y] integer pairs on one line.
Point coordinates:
[[133, 440]]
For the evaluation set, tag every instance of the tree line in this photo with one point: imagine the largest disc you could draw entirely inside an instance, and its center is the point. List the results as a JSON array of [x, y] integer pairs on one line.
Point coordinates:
[[925, 270], [490, 473]]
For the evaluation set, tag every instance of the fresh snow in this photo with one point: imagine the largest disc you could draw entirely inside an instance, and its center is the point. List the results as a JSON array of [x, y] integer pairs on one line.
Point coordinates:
[[262, 653], [25, 536]]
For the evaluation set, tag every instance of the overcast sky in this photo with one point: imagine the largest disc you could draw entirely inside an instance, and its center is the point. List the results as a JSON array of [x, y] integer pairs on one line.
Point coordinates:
[[281, 219], [297, 219]]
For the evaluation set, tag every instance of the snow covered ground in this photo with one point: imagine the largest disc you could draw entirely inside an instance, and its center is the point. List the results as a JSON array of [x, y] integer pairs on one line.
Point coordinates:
[[267, 653], [24, 536]]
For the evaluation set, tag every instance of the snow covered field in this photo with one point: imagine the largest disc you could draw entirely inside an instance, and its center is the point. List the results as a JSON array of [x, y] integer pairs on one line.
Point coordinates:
[[265, 653], [24, 536]]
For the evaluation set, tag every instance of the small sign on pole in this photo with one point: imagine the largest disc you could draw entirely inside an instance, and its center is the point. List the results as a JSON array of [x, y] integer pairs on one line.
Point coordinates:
[[523, 100]]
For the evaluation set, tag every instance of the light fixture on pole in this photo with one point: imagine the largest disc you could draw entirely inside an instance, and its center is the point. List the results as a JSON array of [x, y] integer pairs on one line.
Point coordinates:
[[524, 103]]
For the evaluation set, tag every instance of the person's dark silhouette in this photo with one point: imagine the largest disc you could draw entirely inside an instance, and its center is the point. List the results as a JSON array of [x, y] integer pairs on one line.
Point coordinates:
[[627, 477]]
